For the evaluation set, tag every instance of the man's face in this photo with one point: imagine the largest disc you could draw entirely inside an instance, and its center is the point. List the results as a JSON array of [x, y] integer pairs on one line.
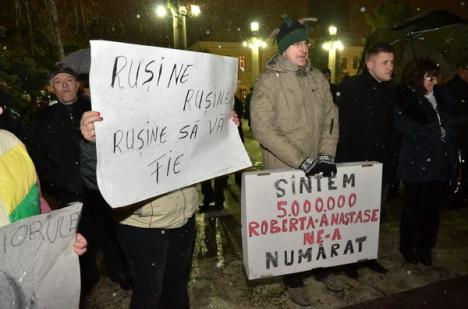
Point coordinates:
[[463, 74], [297, 53], [65, 87], [380, 66]]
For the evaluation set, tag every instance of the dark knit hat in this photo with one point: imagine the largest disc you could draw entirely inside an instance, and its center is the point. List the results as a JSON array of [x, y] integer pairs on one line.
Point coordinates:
[[62, 69], [290, 32]]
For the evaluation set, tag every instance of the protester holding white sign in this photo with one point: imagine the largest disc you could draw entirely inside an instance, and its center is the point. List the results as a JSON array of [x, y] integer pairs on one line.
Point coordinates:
[[294, 119], [185, 128]]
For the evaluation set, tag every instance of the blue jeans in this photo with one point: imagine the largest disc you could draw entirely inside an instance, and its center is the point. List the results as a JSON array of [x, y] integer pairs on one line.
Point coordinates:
[[159, 261]]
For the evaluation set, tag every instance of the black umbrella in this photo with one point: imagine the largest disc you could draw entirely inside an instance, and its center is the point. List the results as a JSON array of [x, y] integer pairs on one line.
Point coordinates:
[[437, 34], [79, 61]]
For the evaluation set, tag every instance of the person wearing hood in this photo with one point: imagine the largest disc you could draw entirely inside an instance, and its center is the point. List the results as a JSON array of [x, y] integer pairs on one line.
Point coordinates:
[[295, 121], [427, 161]]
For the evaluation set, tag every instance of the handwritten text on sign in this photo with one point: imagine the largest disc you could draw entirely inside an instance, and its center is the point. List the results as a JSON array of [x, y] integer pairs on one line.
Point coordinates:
[[167, 119], [38, 267], [293, 223]]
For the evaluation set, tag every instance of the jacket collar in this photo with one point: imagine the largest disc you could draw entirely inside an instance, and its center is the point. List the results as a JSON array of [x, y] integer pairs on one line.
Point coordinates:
[[279, 64], [365, 75]]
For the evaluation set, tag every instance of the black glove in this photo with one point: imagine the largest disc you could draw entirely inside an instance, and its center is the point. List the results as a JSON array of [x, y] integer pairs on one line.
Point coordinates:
[[323, 164]]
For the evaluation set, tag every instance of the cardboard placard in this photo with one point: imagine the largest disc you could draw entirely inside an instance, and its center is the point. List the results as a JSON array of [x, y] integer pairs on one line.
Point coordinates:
[[38, 267], [167, 119], [292, 223]]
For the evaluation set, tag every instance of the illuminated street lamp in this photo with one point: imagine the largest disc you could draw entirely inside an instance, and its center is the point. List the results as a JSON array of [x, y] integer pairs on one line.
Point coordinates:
[[179, 12], [254, 26], [254, 43], [331, 46]]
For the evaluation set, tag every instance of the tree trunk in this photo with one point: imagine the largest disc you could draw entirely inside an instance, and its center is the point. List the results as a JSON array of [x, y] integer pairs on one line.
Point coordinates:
[[55, 23]]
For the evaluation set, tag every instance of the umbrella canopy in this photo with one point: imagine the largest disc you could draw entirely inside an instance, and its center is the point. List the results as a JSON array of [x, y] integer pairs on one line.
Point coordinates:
[[437, 34], [79, 61]]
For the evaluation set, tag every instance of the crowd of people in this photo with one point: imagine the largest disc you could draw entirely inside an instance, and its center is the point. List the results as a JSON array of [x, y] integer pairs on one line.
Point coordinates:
[[301, 121]]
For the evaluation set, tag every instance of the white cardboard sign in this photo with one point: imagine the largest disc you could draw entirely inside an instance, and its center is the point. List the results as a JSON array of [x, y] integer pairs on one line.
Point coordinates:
[[167, 119], [292, 223], [38, 268]]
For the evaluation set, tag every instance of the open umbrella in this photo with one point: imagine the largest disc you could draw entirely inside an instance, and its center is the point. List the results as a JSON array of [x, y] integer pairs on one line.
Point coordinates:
[[437, 34], [79, 61]]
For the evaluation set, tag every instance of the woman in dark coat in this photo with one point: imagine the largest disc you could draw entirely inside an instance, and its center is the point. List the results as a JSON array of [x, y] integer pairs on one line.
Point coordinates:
[[426, 160]]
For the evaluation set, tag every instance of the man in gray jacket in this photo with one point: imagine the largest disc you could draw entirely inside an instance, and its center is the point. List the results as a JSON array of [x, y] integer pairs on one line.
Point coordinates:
[[294, 119]]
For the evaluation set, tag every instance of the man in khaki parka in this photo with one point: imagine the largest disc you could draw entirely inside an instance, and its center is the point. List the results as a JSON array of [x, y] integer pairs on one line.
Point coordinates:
[[294, 119]]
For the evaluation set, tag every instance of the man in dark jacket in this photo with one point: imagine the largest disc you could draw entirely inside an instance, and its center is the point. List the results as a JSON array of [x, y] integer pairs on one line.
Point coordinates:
[[54, 145], [366, 104], [55, 137]]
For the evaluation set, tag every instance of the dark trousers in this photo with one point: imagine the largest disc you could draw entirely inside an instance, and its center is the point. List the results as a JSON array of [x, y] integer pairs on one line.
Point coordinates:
[[98, 227], [420, 218], [216, 193], [294, 280], [159, 262]]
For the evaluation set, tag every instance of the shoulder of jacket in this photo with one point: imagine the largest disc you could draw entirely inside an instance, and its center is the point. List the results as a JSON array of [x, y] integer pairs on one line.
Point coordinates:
[[45, 114], [7, 141]]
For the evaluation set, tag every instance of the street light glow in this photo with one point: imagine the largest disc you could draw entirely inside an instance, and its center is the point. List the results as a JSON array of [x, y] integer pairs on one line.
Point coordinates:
[[179, 15], [195, 9], [255, 43], [183, 10], [332, 30], [338, 45], [161, 10], [254, 26]]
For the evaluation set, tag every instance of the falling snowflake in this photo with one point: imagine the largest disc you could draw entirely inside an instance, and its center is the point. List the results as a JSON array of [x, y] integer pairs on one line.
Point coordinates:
[[207, 32], [363, 9], [462, 3], [138, 16]]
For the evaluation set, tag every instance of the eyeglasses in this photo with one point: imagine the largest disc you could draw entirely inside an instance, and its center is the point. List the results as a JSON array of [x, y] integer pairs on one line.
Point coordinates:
[[430, 78], [302, 44]]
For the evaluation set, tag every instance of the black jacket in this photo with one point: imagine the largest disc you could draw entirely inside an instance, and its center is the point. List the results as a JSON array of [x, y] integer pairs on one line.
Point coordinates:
[[366, 109], [459, 90], [54, 147], [425, 155]]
